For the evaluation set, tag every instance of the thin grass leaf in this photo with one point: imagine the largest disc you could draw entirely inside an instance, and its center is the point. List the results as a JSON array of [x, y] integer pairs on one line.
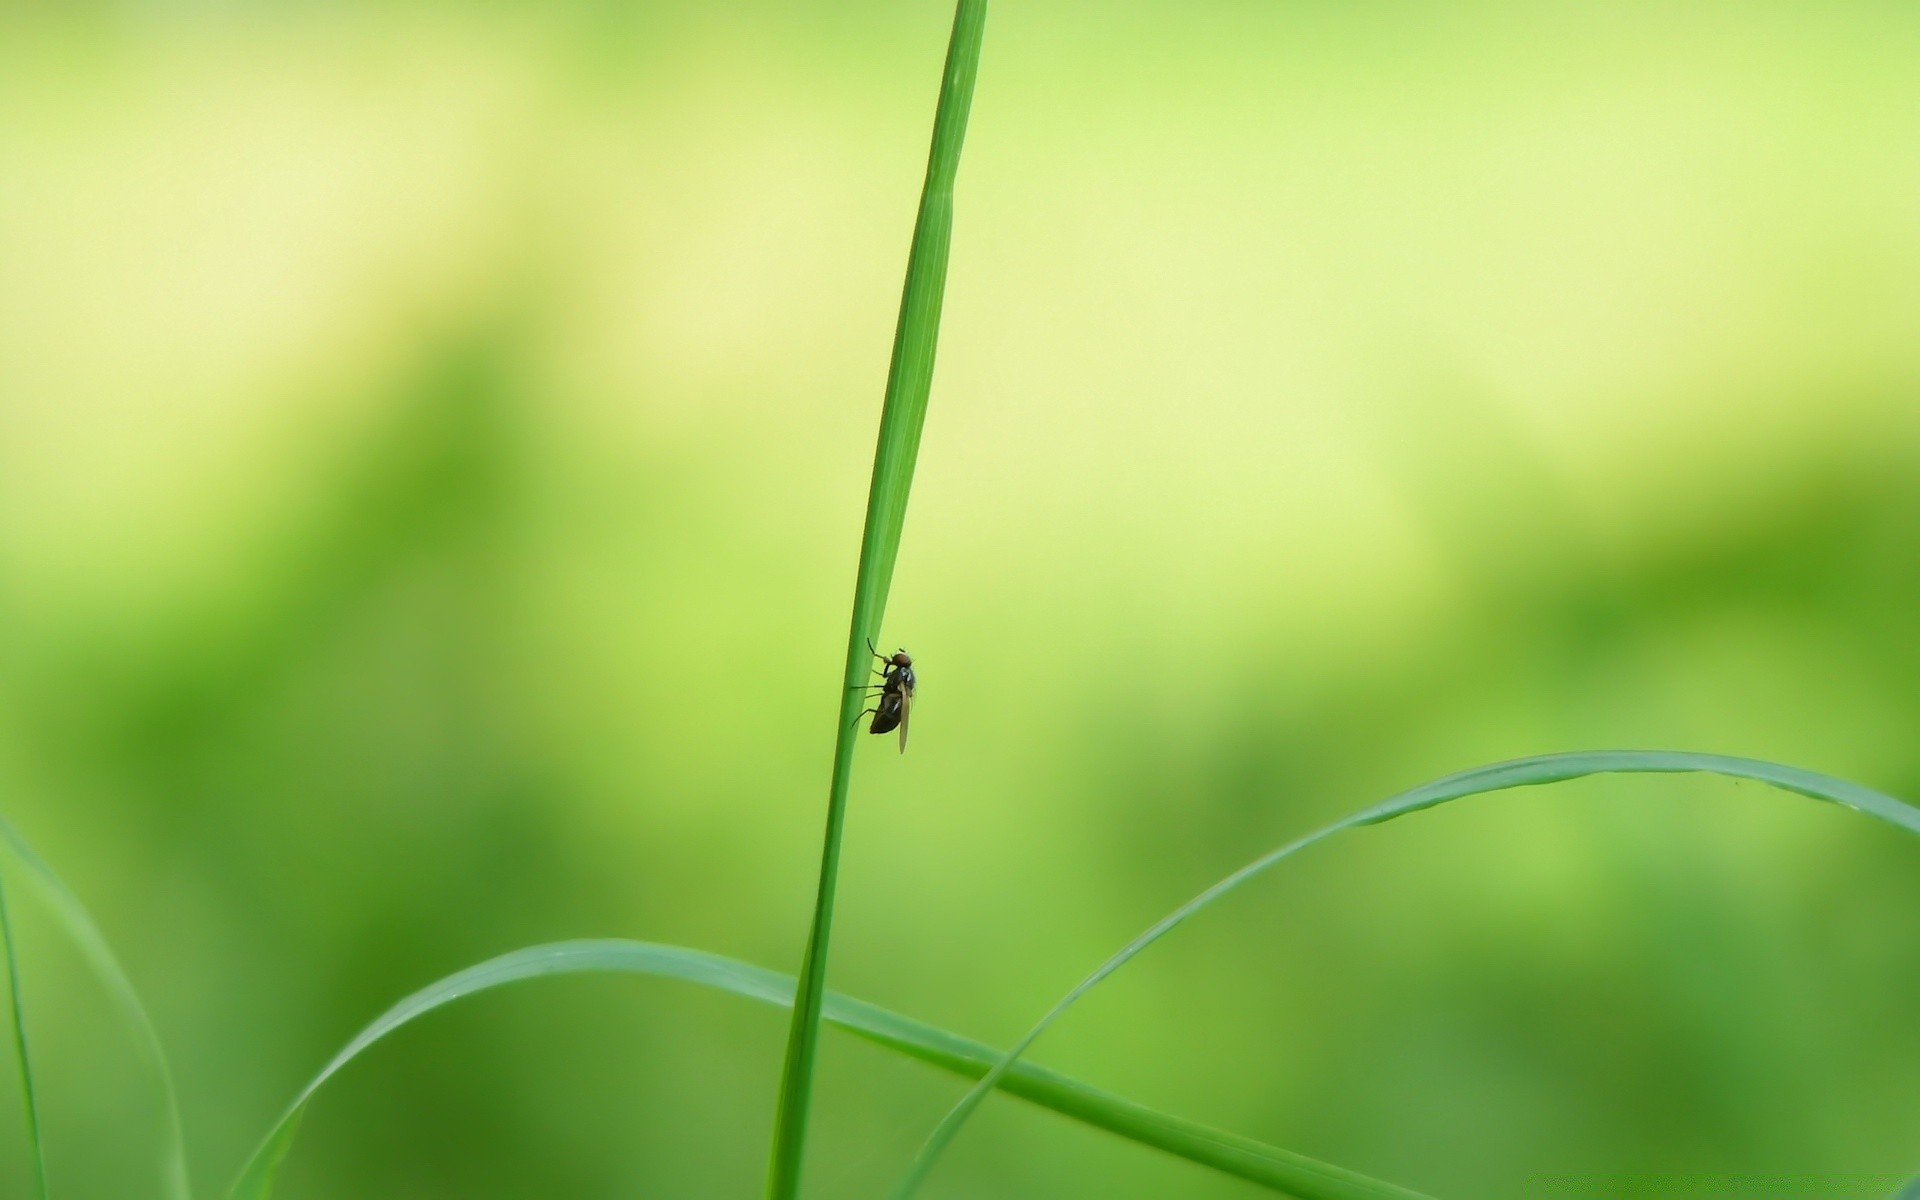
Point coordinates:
[[1525, 772], [1910, 1190], [80, 926], [1279, 1170], [902, 416], [36, 1152]]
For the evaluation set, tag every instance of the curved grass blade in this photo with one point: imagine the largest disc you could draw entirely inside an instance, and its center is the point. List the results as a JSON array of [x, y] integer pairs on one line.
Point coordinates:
[[1280, 1170], [73, 916], [1524, 772], [902, 416], [36, 1152]]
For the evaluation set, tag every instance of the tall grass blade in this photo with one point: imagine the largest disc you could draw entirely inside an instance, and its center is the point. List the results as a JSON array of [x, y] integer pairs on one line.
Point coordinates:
[[1279, 1170], [36, 1152], [79, 925], [1524, 772], [902, 416]]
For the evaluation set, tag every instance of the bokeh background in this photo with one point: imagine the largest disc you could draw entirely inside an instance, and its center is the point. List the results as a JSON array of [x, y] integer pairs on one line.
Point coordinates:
[[433, 440]]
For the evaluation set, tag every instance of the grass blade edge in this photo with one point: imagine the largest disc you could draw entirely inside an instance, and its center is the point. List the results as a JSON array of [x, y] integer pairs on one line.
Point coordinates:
[[1524, 772], [17, 1013], [1278, 1170], [85, 933]]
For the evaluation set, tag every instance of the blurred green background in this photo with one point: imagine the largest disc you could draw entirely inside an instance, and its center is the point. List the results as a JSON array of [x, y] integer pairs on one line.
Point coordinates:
[[433, 440]]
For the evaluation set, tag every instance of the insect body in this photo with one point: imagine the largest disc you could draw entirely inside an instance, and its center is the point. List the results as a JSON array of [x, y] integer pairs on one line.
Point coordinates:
[[894, 704]]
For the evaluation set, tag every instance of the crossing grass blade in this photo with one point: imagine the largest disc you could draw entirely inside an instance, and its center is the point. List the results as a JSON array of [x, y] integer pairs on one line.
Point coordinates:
[[1525, 772], [30, 1106], [1279, 1170], [80, 926], [902, 416]]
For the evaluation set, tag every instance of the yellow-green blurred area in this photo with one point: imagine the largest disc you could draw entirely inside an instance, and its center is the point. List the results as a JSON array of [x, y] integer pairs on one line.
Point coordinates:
[[433, 442]]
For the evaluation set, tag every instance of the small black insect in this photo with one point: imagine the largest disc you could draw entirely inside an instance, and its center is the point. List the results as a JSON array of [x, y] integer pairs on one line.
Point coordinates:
[[894, 704]]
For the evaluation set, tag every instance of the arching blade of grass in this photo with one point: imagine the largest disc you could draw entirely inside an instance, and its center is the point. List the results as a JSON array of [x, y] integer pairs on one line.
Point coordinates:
[[30, 1106], [79, 925], [902, 415], [1524, 772], [1280, 1170]]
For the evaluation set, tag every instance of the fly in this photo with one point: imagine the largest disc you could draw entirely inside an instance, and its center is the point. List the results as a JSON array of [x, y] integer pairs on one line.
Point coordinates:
[[894, 703]]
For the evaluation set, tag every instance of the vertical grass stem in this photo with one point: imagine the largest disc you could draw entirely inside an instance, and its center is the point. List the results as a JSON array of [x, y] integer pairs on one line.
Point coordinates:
[[909, 379]]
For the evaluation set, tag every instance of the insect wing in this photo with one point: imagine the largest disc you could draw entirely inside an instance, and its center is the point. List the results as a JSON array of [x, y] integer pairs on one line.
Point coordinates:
[[906, 710]]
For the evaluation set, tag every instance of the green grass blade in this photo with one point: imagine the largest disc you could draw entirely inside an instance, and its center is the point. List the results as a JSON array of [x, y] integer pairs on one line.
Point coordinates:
[[1244, 1158], [1525, 772], [1280, 1170], [1909, 1190], [902, 416], [31, 1106], [80, 926]]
